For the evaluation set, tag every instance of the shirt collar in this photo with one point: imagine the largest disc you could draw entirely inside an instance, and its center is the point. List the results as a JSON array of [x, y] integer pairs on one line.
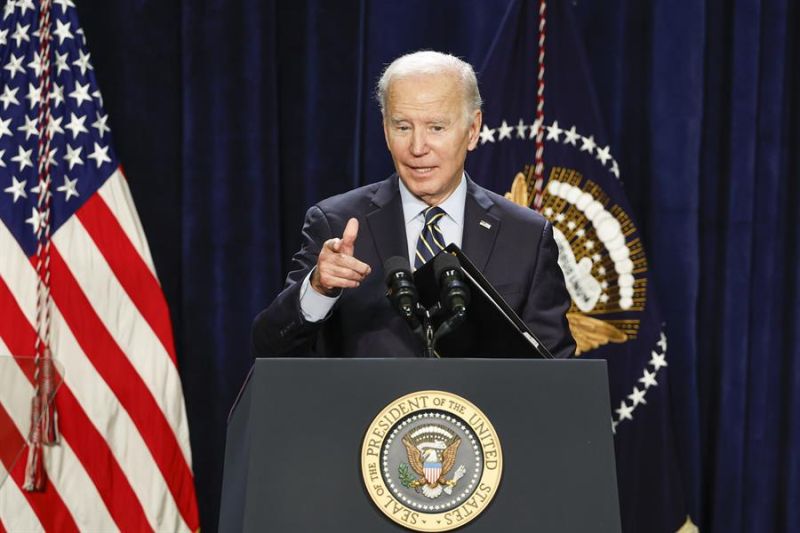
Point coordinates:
[[453, 206]]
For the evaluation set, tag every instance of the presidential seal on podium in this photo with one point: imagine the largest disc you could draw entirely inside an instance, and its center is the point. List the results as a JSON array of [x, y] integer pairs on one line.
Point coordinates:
[[431, 461]]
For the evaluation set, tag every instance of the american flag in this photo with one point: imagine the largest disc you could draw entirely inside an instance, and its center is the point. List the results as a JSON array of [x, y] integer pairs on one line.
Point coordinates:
[[123, 461]]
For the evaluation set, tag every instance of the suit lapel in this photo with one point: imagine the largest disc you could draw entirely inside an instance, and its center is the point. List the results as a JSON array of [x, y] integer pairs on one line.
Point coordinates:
[[480, 226], [386, 221]]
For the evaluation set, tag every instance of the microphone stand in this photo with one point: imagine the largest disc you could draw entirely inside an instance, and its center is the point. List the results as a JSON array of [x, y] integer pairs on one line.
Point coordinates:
[[422, 326], [425, 331], [448, 326]]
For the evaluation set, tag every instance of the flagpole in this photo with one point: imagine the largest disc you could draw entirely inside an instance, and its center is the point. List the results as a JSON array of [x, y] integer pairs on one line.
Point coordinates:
[[538, 184], [43, 430]]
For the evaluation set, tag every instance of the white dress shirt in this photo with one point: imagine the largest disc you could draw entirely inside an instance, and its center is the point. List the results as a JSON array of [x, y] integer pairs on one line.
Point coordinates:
[[316, 306], [451, 225]]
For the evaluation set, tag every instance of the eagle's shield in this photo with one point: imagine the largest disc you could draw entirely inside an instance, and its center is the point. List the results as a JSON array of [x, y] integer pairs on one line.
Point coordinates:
[[432, 472]]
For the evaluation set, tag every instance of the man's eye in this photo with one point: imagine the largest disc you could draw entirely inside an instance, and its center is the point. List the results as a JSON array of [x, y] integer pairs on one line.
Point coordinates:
[[437, 128], [403, 128]]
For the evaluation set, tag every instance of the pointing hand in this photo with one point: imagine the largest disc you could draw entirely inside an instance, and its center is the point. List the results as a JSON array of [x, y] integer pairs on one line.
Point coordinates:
[[336, 267]]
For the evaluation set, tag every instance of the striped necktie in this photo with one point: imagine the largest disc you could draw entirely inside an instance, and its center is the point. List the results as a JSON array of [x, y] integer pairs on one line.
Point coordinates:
[[431, 239]]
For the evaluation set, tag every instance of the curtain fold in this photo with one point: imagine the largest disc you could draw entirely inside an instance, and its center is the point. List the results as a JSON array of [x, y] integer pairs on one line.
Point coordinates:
[[717, 187], [231, 220]]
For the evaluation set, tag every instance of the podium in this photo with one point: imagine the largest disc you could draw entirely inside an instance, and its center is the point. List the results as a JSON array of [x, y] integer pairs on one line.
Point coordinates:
[[295, 434]]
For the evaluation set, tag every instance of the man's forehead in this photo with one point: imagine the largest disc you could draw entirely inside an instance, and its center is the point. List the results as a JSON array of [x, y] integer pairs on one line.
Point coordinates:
[[416, 79], [435, 94]]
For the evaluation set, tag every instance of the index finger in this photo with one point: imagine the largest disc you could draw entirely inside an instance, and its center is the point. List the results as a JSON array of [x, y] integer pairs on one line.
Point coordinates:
[[350, 234]]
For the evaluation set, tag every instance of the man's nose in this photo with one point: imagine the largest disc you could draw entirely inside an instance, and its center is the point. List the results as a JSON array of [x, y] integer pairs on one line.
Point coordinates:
[[419, 143]]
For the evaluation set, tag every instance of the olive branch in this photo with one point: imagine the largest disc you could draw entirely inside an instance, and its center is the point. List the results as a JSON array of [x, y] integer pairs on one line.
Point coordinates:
[[406, 479]]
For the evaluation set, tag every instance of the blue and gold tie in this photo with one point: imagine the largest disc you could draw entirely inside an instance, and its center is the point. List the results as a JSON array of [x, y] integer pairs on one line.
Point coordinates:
[[431, 239]]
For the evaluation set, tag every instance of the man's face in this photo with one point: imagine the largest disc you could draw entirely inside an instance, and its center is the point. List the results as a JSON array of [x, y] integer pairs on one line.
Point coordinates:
[[427, 133]]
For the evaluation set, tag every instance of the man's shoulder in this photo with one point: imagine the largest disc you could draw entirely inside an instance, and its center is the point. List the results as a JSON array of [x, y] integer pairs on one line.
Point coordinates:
[[509, 211], [355, 201]]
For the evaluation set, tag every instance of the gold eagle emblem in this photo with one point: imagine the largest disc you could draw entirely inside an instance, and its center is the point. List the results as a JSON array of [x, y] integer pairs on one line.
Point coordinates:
[[519, 191], [590, 333]]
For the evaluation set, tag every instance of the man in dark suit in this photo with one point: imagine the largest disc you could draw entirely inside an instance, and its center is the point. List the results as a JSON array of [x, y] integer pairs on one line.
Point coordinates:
[[333, 303]]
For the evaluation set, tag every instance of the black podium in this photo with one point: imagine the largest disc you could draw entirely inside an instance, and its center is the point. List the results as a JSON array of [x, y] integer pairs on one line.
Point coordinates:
[[292, 461]]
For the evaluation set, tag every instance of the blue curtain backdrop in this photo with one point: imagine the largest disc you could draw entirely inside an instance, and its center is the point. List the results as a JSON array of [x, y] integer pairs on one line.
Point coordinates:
[[232, 117]]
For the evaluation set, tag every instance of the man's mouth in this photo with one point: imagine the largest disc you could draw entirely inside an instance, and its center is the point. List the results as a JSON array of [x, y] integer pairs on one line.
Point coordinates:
[[423, 170]]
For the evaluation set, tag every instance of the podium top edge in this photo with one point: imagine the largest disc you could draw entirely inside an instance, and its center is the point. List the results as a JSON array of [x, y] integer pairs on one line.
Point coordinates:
[[424, 360]]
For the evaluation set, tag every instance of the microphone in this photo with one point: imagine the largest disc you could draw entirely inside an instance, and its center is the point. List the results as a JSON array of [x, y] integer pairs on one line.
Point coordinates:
[[402, 292], [454, 294]]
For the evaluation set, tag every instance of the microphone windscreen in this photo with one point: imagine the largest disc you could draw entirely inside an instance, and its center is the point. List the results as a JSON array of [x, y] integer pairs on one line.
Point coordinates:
[[444, 262], [394, 265]]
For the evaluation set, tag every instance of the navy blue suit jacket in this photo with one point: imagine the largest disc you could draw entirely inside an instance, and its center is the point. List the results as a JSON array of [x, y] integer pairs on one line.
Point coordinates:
[[517, 254]]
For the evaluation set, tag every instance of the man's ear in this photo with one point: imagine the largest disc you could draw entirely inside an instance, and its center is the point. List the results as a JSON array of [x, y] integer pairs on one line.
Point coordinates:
[[475, 129]]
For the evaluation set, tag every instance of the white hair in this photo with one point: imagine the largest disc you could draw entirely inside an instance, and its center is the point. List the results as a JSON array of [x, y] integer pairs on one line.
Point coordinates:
[[430, 62]]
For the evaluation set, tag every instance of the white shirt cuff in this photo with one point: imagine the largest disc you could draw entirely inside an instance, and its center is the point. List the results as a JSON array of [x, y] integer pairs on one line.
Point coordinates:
[[313, 305]]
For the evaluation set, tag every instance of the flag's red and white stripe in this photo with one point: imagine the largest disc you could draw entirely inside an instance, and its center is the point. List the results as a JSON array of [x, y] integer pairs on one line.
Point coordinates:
[[125, 461]]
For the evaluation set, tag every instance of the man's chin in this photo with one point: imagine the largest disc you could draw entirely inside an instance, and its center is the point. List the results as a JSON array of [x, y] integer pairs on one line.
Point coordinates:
[[420, 190]]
